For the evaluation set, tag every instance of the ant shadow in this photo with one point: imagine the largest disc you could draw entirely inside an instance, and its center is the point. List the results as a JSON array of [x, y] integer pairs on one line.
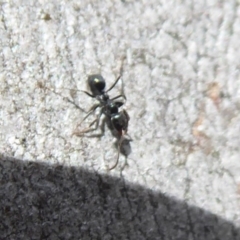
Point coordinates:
[[125, 148]]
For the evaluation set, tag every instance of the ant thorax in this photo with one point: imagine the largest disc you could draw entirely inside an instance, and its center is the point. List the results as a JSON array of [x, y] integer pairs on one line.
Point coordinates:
[[104, 98]]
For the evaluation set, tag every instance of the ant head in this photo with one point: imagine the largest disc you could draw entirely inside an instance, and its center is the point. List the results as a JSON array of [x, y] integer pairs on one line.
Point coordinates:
[[97, 84]]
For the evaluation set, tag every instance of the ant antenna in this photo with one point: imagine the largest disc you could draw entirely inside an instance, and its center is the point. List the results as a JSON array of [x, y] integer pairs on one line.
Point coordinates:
[[119, 77], [114, 84], [54, 90]]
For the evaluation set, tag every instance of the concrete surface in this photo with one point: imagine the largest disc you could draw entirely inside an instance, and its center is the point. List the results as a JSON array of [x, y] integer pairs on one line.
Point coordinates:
[[181, 79]]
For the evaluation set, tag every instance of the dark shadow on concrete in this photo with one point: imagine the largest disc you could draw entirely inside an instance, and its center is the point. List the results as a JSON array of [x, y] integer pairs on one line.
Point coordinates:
[[55, 202]]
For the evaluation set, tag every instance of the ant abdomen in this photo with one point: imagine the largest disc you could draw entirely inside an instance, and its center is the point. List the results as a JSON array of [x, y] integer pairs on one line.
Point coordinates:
[[97, 84], [120, 121]]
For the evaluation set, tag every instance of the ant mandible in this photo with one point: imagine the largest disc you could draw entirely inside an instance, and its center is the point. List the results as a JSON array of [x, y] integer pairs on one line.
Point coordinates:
[[109, 107]]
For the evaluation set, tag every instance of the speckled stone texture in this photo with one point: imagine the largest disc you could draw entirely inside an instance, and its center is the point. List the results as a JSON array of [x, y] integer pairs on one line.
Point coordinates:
[[182, 82]]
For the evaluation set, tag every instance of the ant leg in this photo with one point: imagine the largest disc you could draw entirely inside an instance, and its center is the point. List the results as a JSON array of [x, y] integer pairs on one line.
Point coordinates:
[[90, 95], [92, 110], [119, 147], [122, 90], [118, 96], [89, 129], [102, 130], [125, 164]]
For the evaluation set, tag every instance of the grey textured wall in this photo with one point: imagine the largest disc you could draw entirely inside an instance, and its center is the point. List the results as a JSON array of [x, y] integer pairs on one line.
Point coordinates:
[[181, 79]]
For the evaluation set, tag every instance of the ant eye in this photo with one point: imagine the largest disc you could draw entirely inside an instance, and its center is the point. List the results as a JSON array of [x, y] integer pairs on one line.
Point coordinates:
[[97, 84]]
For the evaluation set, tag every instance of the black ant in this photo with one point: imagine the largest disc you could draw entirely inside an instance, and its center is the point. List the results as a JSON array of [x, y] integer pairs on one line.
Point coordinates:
[[109, 107]]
